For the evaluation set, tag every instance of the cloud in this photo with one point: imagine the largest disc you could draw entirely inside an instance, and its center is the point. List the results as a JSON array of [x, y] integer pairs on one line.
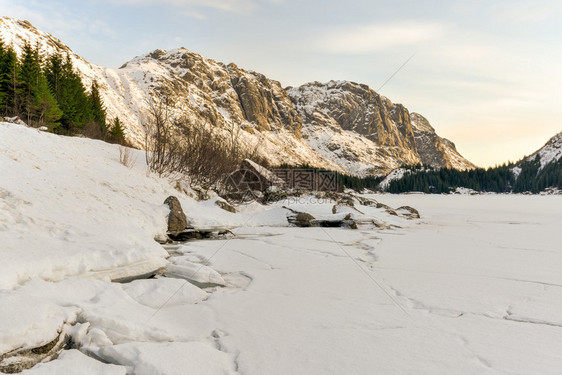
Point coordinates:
[[63, 23], [528, 13], [378, 37], [189, 7]]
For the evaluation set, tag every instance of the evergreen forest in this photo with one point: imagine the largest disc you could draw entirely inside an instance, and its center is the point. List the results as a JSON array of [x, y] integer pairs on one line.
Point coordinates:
[[46, 91]]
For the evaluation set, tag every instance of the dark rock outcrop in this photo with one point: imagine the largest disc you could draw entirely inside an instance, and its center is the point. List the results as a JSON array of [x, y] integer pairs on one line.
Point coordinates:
[[400, 136], [301, 219], [408, 212], [22, 359], [177, 221]]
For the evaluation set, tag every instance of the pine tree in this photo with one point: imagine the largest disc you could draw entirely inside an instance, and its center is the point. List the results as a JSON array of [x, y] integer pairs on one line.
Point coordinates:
[[69, 93], [47, 109], [3, 94], [117, 134], [54, 75], [28, 82], [9, 81], [96, 108]]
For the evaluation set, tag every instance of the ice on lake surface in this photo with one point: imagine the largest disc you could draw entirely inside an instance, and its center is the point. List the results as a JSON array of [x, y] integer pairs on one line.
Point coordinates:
[[473, 287]]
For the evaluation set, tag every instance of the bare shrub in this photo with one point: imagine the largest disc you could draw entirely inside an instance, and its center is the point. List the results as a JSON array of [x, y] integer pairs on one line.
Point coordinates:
[[92, 130], [163, 148], [205, 152], [126, 157]]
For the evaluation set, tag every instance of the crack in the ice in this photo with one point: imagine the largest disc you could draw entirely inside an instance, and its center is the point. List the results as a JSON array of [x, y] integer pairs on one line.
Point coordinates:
[[269, 266]]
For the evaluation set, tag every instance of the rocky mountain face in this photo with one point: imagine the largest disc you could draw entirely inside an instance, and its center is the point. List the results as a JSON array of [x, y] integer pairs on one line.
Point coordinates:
[[340, 125], [551, 151], [390, 135], [434, 150]]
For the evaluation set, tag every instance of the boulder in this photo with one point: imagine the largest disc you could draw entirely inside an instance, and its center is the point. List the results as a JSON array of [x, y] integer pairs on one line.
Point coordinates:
[[346, 222], [258, 177], [225, 206], [177, 222], [408, 212], [305, 220], [388, 209], [367, 201], [25, 358], [301, 219]]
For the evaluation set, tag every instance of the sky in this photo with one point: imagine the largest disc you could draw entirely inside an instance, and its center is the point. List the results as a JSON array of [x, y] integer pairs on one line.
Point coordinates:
[[486, 74]]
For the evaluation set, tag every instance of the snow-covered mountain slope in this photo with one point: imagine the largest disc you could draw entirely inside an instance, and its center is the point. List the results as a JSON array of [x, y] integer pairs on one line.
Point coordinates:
[[352, 124], [338, 125], [551, 151], [75, 208], [112, 85]]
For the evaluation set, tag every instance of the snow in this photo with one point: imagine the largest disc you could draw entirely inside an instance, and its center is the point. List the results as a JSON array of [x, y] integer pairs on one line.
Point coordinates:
[[72, 362], [551, 151], [396, 174], [170, 358], [471, 288], [37, 319], [462, 277], [70, 208], [152, 292], [193, 272]]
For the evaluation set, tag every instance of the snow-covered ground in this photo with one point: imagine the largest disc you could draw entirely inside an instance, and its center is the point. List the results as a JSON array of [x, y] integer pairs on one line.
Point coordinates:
[[473, 287]]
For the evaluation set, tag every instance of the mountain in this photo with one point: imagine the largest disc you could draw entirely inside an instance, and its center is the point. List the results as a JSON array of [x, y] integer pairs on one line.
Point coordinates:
[[551, 151], [338, 125], [540, 172]]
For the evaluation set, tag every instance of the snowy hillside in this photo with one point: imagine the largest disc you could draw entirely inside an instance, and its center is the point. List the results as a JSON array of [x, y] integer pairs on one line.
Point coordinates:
[[551, 151], [16, 33]]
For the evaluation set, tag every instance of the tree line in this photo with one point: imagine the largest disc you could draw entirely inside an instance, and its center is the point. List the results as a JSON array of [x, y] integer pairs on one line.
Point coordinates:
[[500, 179], [47, 91], [343, 180]]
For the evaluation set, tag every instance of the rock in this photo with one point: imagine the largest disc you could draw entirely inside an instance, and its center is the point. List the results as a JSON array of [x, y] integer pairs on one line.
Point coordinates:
[[225, 206], [22, 359], [275, 195], [367, 201], [408, 212], [305, 220], [432, 149], [350, 222], [400, 137], [250, 182], [381, 224], [345, 204], [177, 222], [15, 120], [347, 222], [302, 219], [264, 176], [388, 209], [263, 101]]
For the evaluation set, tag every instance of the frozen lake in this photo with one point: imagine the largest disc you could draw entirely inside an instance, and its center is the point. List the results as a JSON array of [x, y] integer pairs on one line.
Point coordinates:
[[473, 288]]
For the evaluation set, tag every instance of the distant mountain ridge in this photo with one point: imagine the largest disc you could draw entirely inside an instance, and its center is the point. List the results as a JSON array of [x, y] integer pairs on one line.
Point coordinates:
[[338, 125], [541, 172], [551, 151]]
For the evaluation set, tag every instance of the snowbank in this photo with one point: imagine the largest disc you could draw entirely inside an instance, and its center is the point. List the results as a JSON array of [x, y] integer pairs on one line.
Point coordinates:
[[72, 362], [69, 207]]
